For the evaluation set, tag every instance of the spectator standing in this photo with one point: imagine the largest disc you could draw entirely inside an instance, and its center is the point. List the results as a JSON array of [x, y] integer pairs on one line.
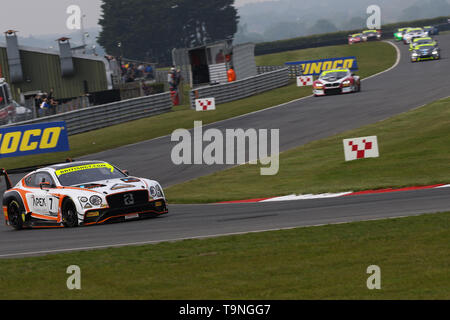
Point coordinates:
[[231, 74], [44, 108], [50, 94], [220, 58], [37, 104], [149, 72], [171, 78], [53, 106]]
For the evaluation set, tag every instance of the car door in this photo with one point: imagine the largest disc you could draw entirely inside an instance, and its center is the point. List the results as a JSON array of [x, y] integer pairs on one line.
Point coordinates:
[[41, 201]]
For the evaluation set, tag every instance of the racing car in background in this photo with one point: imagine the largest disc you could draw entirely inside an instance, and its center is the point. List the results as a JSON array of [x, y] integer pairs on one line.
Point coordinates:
[[419, 41], [414, 33], [425, 52], [80, 194], [355, 38], [431, 30], [336, 81], [370, 35], [398, 35]]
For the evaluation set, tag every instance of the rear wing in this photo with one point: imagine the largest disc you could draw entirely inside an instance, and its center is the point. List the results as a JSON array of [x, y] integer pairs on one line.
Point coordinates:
[[7, 180], [4, 173]]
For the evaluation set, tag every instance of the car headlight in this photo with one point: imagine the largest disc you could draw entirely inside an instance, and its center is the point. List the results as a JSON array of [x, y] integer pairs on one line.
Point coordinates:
[[414, 54], [159, 191], [95, 200], [318, 85], [346, 83], [153, 192], [435, 52]]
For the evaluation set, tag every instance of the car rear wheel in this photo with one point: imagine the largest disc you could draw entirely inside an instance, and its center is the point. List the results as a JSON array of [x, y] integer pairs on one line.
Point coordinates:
[[69, 214], [15, 215]]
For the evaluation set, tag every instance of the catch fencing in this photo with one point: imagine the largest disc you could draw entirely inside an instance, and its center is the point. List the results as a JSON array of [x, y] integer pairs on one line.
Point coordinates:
[[106, 115], [242, 88], [294, 70]]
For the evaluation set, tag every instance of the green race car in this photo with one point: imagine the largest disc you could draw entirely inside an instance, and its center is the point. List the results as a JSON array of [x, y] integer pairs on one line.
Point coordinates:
[[398, 36]]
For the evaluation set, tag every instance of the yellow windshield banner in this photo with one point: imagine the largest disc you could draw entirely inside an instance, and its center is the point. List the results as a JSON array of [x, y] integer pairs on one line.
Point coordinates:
[[85, 167], [333, 71]]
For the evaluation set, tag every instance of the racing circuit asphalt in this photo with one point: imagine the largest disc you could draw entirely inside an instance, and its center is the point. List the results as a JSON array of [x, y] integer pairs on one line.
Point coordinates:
[[403, 88]]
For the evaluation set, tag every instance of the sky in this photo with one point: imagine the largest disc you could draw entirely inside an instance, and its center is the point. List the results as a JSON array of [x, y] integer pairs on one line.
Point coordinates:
[[50, 17]]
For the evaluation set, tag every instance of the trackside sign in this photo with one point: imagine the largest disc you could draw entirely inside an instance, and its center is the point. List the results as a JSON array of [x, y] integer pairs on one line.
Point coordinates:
[[33, 139], [316, 67], [361, 148]]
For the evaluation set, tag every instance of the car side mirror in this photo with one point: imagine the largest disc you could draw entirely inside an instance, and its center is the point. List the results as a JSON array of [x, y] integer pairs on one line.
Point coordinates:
[[45, 185], [126, 172]]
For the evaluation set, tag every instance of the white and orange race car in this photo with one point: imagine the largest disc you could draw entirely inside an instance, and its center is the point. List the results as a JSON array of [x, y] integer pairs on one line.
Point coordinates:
[[79, 194]]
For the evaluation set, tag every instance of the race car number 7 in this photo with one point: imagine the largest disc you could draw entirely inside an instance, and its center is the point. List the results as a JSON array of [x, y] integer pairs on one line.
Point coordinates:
[[53, 204]]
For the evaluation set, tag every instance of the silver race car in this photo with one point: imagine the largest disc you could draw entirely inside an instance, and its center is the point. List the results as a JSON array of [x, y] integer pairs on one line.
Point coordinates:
[[336, 81]]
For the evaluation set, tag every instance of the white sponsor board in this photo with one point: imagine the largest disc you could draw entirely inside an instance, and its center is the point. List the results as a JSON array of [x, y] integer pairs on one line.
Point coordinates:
[[206, 104], [304, 81], [361, 148]]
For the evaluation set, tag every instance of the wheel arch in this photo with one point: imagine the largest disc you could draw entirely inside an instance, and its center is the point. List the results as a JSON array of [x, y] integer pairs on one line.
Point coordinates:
[[13, 195]]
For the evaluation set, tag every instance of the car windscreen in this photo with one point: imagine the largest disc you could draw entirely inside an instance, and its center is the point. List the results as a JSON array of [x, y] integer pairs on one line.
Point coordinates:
[[333, 75], [427, 47], [79, 175], [425, 41]]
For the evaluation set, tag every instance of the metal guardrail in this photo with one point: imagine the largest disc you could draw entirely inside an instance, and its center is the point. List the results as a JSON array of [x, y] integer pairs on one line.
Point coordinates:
[[106, 115], [294, 70], [242, 88]]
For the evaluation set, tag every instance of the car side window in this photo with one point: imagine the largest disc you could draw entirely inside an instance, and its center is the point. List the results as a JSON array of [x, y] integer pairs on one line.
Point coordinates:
[[29, 181], [36, 179], [43, 177]]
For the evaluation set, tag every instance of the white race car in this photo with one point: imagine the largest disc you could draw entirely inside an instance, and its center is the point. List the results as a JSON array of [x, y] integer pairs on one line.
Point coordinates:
[[414, 33], [336, 81], [80, 194]]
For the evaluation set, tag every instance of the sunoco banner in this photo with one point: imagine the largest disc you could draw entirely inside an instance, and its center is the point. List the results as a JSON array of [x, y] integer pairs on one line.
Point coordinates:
[[33, 139], [316, 67]]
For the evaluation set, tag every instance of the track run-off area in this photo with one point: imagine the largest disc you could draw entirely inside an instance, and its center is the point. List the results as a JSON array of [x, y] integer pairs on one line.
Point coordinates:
[[404, 87]]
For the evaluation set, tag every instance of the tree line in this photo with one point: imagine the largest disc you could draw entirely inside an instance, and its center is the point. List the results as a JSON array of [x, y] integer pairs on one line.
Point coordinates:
[[149, 29]]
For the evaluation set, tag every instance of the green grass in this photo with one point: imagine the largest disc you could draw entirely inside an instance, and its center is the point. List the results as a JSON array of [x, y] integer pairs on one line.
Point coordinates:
[[327, 262], [367, 61], [183, 117], [414, 150]]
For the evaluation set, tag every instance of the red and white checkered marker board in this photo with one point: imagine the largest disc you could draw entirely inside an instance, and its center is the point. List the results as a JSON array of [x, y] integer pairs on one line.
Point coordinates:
[[303, 81], [205, 104], [361, 148]]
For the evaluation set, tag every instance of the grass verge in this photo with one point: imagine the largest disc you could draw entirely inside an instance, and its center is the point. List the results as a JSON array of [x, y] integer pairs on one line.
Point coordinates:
[[369, 62], [327, 262], [413, 151]]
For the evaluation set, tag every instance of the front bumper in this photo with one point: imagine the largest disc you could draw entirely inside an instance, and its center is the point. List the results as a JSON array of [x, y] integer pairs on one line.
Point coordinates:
[[326, 91], [110, 215], [425, 58]]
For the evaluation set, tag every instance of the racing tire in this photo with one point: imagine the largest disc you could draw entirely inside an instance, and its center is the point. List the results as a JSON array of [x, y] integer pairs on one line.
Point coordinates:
[[15, 215], [69, 214]]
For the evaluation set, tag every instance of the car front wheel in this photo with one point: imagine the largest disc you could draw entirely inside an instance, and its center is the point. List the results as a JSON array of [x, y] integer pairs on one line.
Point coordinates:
[[69, 214]]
